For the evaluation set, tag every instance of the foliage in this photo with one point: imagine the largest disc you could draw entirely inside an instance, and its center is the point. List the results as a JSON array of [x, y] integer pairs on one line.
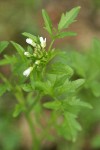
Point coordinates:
[[60, 77], [86, 65]]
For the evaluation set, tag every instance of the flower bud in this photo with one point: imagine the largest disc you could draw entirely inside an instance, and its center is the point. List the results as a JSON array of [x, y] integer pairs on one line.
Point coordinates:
[[27, 71], [27, 54], [43, 42], [31, 42]]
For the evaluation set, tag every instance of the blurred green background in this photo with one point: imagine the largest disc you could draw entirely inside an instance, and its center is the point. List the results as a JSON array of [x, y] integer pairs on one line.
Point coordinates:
[[17, 16]]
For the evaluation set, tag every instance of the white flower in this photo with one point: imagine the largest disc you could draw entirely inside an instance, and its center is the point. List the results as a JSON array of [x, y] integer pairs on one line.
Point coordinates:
[[31, 42], [27, 71], [43, 42], [27, 54]]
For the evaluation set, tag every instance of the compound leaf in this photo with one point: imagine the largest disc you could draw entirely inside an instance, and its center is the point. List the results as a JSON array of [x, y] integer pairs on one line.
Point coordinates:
[[47, 21], [68, 18]]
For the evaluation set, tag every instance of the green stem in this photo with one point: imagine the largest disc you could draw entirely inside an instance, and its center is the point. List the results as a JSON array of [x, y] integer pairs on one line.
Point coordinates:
[[35, 142], [49, 125], [38, 97], [51, 45]]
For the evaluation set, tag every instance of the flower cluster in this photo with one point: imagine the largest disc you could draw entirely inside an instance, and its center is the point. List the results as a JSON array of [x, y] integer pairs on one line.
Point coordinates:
[[39, 54]]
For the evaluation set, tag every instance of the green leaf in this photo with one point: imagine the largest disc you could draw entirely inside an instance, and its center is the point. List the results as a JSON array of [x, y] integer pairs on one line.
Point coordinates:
[[53, 105], [70, 87], [77, 102], [64, 34], [51, 78], [43, 86], [60, 80], [95, 86], [19, 49], [47, 21], [79, 62], [34, 38], [77, 83], [69, 127], [3, 89], [18, 110], [40, 85], [96, 49], [3, 45], [72, 125], [27, 87], [29, 49], [32, 80], [5, 80], [68, 18], [8, 60], [61, 69]]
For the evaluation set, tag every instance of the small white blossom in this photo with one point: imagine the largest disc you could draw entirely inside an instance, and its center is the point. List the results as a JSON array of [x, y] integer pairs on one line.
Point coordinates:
[[31, 42], [37, 62], [27, 71], [43, 42], [27, 54]]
